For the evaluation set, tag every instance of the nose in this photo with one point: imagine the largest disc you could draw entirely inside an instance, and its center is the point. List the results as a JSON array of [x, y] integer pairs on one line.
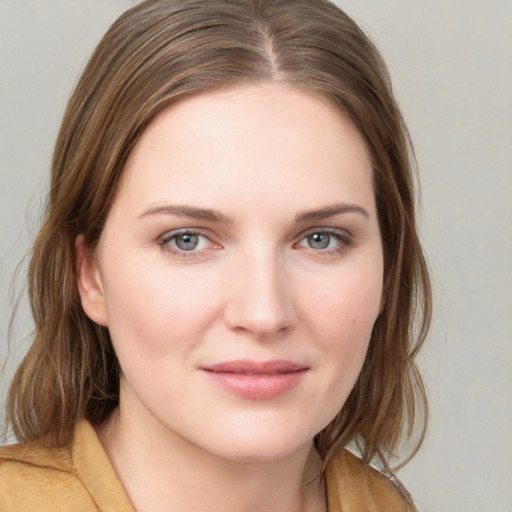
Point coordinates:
[[261, 300]]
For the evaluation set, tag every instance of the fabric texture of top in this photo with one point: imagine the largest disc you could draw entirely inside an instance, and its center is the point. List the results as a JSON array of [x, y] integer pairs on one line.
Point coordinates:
[[80, 478]]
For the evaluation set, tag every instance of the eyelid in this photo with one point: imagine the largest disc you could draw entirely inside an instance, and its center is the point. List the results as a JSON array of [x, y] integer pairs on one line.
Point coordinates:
[[169, 235], [338, 232], [325, 229]]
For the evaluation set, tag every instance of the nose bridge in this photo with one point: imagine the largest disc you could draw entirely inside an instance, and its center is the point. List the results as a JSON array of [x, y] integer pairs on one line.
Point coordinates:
[[261, 299]]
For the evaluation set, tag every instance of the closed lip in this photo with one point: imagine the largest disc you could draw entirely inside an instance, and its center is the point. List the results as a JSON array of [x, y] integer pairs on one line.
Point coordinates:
[[250, 367], [257, 380]]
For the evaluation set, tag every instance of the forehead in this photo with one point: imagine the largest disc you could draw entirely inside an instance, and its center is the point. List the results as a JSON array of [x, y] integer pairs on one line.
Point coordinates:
[[264, 138]]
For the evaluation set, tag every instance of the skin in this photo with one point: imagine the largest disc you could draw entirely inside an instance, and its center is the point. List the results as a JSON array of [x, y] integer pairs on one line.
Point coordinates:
[[282, 170]]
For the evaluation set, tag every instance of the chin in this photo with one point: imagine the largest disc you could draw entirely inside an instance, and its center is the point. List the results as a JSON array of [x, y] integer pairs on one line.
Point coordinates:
[[252, 445], [261, 453]]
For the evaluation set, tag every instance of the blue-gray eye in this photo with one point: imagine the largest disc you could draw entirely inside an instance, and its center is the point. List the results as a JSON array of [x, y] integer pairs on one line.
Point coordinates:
[[186, 241], [319, 240]]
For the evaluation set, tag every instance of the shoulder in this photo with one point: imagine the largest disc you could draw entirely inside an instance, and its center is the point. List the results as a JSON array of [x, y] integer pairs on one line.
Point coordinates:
[[36, 477], [354, 486], [34, 454]]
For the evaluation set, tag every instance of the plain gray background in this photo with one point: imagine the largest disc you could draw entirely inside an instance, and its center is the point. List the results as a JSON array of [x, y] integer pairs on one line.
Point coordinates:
[[451, 62]]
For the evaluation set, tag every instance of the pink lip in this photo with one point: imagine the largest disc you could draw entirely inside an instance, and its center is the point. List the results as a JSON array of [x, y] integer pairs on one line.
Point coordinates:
[[256, 380]]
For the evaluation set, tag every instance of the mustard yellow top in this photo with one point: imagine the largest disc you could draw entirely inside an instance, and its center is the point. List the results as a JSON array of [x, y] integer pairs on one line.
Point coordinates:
[[80, 478]]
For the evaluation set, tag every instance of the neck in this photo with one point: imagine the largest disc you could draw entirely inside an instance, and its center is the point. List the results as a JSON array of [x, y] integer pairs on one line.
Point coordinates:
[[162, 472]]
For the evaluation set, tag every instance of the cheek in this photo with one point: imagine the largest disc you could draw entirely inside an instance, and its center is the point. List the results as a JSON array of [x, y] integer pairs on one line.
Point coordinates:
[[350, 301], [155, 311], [343, 317]]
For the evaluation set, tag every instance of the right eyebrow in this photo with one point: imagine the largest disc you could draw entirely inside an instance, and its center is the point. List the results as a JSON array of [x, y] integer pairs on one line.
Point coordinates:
[[187, 211]]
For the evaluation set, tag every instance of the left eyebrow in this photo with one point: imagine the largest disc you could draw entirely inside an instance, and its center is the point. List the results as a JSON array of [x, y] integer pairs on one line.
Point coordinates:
[[330, 211]]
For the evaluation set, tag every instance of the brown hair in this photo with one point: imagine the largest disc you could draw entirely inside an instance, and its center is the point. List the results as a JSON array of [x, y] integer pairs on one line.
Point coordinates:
[[157, 53]]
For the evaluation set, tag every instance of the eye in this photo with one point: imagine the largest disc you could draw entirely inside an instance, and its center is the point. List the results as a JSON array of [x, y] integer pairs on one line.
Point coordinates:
[[319, 240], [326, 240], [186, 242]]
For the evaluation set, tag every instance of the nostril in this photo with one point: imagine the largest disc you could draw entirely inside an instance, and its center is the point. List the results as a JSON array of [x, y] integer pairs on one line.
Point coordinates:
[[246, 317], [259, 299]]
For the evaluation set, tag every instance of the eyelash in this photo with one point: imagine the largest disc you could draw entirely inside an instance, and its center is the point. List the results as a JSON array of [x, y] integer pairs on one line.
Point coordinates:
[[343, 237]]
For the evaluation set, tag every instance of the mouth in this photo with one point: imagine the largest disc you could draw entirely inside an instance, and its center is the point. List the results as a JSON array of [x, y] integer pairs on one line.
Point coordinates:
[[255, 380]]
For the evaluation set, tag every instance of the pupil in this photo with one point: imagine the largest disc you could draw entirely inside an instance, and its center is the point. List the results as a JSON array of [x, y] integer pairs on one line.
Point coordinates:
[[318, 240], [187, 242]]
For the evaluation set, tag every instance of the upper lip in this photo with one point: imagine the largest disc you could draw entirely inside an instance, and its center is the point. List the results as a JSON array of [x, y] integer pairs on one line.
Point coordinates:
[[250, 367]]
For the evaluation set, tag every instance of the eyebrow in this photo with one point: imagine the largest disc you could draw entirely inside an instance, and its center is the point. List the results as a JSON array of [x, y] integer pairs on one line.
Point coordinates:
[[187, 211], [215, 216], [330, 211]]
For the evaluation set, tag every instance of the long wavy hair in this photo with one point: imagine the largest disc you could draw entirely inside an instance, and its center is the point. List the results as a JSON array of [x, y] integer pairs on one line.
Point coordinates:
[[157, 53]]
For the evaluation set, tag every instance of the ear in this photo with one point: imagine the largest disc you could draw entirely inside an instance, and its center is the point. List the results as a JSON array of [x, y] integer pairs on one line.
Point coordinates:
[[89, 283]]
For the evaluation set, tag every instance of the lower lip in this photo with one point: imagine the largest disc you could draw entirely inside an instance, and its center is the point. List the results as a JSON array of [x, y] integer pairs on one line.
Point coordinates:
[[257, 387]]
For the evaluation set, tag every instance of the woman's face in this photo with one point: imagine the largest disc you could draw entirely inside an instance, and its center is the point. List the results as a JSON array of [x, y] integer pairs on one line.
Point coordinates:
[[240, 271]]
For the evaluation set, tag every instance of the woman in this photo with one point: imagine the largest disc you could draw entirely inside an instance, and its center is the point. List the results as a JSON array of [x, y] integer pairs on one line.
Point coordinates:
[[225, 284]]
